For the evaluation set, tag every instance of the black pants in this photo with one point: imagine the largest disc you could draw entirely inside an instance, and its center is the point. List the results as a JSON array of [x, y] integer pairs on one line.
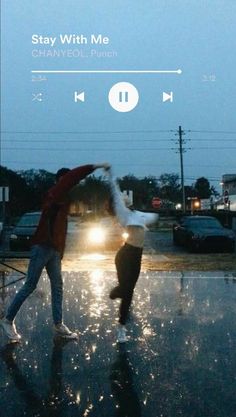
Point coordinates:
[[128, 265]]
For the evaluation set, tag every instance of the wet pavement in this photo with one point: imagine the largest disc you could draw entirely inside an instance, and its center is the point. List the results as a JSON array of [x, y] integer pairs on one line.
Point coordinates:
[[180, 359]]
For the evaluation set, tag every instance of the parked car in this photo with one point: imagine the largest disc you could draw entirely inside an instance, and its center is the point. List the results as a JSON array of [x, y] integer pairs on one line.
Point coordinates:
[[203, 233], [20, 238]]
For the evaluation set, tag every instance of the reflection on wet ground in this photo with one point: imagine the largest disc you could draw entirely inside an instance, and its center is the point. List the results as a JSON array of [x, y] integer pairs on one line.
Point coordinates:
[[180, 359]]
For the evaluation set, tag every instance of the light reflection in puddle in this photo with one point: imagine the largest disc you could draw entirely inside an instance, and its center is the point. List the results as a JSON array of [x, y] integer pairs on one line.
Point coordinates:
[[182, 340]]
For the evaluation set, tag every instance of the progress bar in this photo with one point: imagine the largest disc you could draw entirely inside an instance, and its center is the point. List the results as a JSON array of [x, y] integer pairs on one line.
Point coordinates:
[[179, 71]]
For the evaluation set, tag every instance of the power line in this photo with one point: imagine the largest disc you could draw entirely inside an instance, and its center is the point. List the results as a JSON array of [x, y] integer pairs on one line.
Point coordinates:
[[115, 140], [229, 132], [215, 148], [86, 140], [85, 150], [113, 149], [213, 140], [107, 132], [85, 132]]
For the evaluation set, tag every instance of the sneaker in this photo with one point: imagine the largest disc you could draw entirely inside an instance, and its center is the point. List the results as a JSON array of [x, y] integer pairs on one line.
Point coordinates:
[[9, 329], [115, 293], [121, 334], [63, 331]]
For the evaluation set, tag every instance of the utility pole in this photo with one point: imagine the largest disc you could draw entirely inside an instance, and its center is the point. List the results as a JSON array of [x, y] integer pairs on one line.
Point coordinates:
[[182, 167]]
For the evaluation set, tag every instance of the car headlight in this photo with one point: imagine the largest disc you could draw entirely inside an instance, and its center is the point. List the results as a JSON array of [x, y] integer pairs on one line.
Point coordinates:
[[96, 235], [13, 237]]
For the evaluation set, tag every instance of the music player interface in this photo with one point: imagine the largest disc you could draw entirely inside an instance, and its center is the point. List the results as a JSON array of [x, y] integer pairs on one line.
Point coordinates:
[[92, 70], [146, 88]]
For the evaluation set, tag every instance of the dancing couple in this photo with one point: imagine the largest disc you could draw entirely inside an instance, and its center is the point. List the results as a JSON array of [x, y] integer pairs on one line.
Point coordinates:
[[48, 246]]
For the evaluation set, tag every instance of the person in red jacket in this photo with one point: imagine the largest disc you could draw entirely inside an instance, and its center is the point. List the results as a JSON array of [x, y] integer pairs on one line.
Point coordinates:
[[48, 246]]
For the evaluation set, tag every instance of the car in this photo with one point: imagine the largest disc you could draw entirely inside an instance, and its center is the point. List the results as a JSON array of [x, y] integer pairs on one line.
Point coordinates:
[[20, 238], [203, 233]]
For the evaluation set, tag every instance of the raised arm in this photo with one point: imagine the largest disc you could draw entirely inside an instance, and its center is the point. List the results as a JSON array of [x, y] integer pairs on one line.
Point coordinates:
[[121, 211], [70, 179], [125, 216]]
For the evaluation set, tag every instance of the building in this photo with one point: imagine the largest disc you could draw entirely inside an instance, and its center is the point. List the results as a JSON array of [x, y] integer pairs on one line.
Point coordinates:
[[228, 200]]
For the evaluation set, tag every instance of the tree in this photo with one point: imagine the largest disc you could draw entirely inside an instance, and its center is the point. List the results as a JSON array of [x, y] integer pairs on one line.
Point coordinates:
[[143, 189], [39, 182], [202, 188], [170, 187], [189, 191], [93, 191]]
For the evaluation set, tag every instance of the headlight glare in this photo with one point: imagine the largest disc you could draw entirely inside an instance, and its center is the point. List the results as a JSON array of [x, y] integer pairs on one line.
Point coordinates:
[[125, 235], [96, 235]]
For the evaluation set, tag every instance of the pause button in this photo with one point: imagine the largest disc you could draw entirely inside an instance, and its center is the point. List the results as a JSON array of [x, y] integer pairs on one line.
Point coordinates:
[[123, 97]]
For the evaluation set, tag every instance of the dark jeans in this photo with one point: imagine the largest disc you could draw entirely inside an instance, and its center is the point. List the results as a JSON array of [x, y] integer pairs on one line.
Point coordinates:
[[41, 256], [128, 265]]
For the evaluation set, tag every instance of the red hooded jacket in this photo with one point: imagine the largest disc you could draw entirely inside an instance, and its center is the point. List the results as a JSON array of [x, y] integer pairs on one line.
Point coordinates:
[[52, 227]]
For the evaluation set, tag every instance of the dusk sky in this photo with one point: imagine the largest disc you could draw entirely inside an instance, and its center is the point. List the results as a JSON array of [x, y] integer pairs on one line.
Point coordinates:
[[44, 128]]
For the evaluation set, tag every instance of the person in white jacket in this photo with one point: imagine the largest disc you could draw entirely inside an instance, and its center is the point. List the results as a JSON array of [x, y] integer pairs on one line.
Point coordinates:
[[129, 256]]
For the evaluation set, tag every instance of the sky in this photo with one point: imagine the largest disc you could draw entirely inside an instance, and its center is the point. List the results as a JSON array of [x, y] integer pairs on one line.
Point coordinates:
[[43, 127]]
